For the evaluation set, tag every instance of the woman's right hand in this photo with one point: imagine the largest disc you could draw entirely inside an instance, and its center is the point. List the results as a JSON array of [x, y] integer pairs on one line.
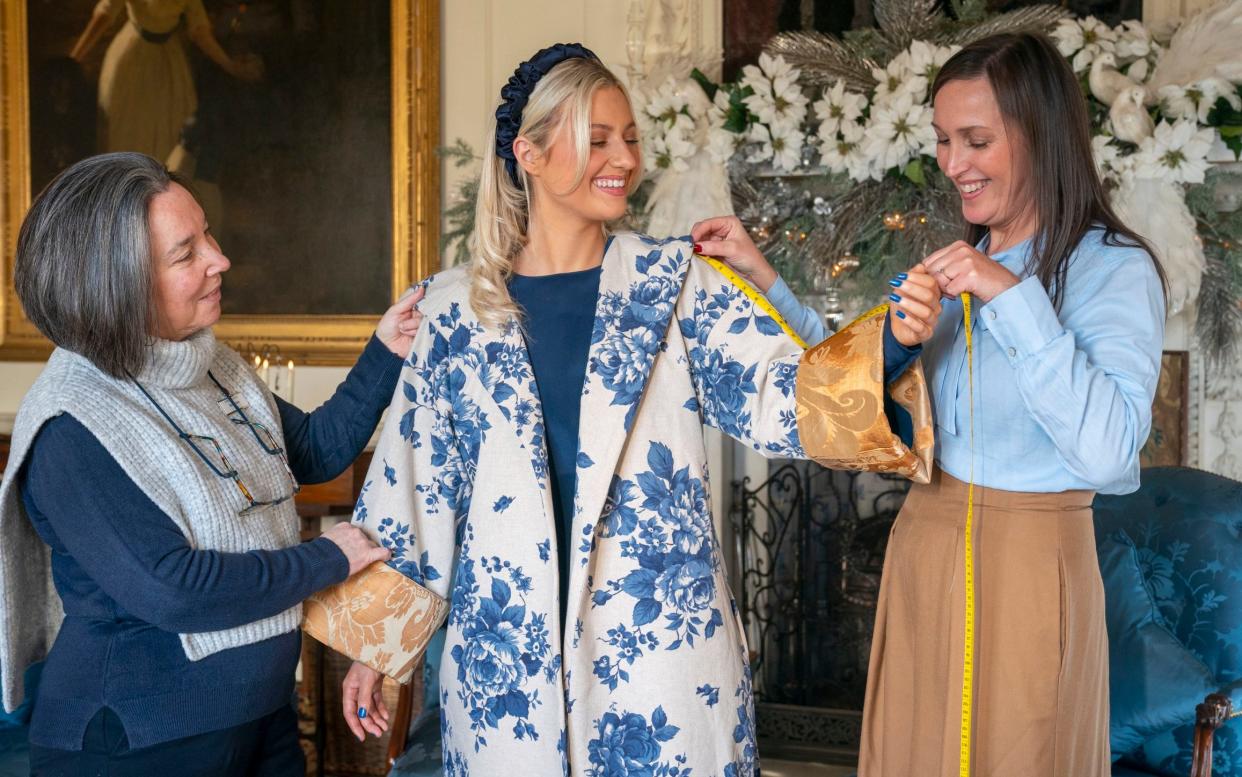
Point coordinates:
[[726, 238], [359, 549]]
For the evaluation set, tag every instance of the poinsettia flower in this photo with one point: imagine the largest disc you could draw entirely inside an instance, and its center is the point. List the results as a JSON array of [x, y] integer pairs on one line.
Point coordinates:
[[899, 131], [1195, 102], [1083, 40], [782, 144], [837, 107], [1175, 152]]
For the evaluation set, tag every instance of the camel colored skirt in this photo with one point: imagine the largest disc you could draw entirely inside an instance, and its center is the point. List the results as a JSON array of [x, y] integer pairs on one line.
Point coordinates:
[[1041, 649]]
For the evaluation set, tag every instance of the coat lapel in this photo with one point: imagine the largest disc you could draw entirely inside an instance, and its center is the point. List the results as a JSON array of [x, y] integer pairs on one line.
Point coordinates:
[[639, 286], [502, 364]]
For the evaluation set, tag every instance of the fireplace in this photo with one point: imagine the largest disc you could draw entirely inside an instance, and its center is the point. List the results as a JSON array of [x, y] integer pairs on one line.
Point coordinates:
[[809, 547]]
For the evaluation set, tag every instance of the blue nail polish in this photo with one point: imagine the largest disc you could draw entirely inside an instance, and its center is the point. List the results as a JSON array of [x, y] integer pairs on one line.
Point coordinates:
[[362, 712], [902, 276], [894, 298], [895, 283], [900, 314]]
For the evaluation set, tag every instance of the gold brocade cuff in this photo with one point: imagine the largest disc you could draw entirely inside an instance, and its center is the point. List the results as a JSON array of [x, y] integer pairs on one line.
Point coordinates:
[[841, 419], [379, 617]]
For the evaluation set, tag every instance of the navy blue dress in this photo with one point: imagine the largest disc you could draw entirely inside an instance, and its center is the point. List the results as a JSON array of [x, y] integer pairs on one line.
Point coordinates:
[[560, 313]]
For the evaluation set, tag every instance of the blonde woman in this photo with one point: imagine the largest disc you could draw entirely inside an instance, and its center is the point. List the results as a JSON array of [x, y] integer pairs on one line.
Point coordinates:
[[544, 467]]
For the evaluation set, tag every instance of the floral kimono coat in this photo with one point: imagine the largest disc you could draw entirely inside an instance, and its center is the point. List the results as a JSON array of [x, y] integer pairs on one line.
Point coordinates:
[[651, 677]]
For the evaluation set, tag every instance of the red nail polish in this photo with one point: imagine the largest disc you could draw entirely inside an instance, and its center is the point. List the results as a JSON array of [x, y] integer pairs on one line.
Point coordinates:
[[698, 249]]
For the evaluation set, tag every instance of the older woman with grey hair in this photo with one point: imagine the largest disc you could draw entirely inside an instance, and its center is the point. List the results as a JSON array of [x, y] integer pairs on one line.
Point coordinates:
[[152, 475]]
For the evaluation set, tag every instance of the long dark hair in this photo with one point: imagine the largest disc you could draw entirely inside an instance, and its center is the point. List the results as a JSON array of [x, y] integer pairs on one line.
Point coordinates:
[[1040, 99]]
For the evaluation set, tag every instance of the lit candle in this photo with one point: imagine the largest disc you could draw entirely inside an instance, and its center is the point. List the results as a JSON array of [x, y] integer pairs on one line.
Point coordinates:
[[289, 388], [263, 372]]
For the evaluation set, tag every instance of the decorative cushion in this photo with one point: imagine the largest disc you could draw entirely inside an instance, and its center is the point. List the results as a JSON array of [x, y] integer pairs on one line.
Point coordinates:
[[1154, 682]]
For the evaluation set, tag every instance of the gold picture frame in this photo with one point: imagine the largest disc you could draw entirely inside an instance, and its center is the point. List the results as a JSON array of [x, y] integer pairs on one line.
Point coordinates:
[[1168, 443], [307, 339]]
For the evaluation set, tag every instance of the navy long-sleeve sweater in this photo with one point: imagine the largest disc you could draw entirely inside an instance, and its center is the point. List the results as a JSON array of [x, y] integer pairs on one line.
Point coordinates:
[[130, 582]]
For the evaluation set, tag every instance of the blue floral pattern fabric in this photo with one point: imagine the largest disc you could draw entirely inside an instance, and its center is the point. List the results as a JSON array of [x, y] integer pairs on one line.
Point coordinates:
[[651, 676]]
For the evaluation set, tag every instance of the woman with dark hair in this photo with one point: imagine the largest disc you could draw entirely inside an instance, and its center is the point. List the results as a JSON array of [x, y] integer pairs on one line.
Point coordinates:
[[151, 479], [1068, 322]]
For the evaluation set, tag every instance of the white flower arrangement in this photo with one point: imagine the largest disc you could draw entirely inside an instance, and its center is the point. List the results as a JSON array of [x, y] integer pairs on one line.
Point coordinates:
[[1082, 40], [1160, 109], [1180, 140], [867, 136], [778, 106], [670, 118], [1176, 153]]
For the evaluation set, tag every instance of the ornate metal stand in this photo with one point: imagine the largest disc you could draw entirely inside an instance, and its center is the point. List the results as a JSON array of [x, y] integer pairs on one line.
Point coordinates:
[[810, 547]]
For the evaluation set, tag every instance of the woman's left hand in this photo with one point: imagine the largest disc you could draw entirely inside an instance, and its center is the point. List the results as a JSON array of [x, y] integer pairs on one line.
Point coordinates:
[[399, 324], [916, 306], [362, 700], [960, 267]]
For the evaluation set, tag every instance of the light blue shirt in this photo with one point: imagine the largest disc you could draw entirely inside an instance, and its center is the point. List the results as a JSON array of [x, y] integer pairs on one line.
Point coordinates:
[[806, 321], [1062, 400]]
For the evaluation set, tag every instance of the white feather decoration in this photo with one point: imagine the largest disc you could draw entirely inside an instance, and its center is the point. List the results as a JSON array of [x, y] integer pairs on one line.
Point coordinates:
[[1206, 46], [678, 199], [1157, 211]]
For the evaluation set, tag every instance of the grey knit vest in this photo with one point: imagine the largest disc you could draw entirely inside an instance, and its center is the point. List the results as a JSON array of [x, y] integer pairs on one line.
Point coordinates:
[[202, 504]]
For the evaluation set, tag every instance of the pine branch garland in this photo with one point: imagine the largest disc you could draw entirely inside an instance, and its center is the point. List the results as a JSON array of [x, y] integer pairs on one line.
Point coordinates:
[[824, 59], [1036, 18]]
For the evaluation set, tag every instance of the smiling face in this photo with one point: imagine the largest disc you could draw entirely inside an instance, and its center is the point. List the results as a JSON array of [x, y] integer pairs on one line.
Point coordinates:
[[187, 264], [985, 160], [612, 163]]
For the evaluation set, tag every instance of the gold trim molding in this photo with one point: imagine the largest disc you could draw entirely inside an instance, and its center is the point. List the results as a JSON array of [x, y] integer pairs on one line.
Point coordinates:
[[325, 340]]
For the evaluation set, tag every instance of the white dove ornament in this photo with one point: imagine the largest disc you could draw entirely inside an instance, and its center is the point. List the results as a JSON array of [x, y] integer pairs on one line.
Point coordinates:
[[1130, 119], [1105, 80]]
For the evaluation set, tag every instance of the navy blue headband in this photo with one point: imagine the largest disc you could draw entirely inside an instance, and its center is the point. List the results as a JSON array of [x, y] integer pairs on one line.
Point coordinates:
[[514, 95]]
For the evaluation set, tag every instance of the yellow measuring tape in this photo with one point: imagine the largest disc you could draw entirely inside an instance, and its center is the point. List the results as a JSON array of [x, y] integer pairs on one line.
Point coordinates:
[[754, 296], [761, 302], [968, 653]]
